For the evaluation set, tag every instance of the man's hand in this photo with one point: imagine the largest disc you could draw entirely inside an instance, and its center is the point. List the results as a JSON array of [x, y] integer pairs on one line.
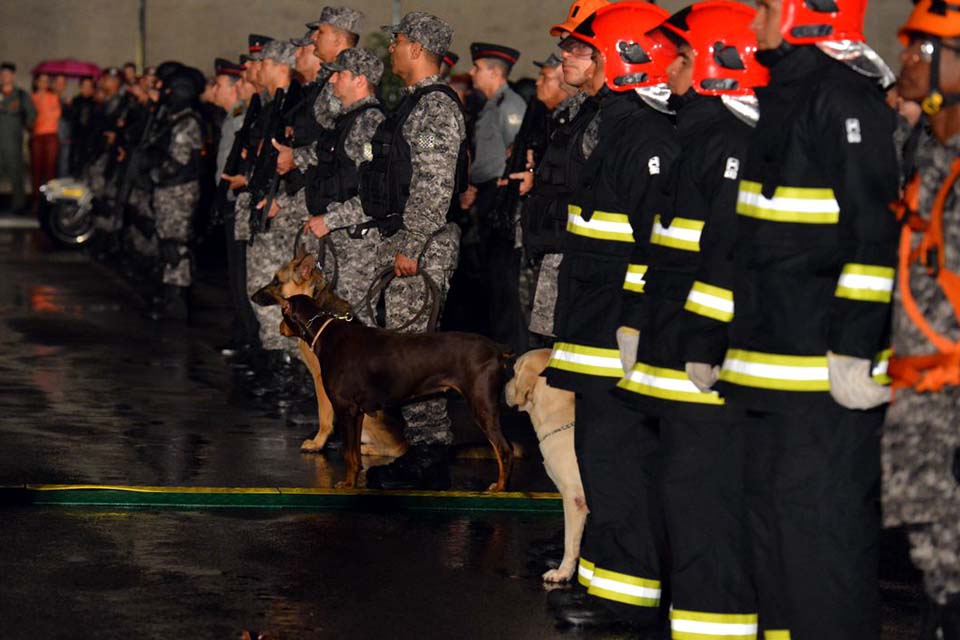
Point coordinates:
[[702, 375], [235, 182], [628, 340], [111, 136], [404, 266], [851, 384], [285, 162], [121, 154], [274, 208], [317, 226], [468, 197]]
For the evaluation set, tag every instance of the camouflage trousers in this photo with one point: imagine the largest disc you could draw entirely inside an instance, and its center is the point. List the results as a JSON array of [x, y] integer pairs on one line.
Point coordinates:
[[356, 268], [545, 297], [269, 251], [106, 220], [427, 421], [174, 207], [920, 444], [143, 243]]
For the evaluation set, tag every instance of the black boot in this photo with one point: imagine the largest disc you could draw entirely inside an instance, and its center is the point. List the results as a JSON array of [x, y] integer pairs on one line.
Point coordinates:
[[423, 467], [950, 619], [172, 305]]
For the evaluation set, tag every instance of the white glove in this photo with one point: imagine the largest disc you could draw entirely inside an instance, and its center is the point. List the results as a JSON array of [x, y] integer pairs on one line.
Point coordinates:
[[851, 385], [628, 340], [703, 375]]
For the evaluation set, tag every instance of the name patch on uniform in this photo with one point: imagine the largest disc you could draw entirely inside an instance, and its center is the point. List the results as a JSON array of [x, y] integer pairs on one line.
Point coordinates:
[[653, 165], [853, 131], [733, 169]]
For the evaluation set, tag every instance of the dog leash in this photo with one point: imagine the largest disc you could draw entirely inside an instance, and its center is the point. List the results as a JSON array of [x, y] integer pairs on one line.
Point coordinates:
[[431, 299], [569, 425]]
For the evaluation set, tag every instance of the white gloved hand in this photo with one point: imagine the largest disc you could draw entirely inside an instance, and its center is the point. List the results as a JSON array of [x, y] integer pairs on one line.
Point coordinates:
[[628, 339], [703, 375], [851, 385]]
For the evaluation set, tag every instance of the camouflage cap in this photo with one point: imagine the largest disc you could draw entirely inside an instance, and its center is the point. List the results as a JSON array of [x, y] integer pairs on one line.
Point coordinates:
[[304, 41], [431, 32], [341, 17], [280, 51], [359, 62]]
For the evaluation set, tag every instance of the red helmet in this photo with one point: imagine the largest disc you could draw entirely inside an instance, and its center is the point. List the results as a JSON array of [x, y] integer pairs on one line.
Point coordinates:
[[812, 21], [619, 31], [719, 32]]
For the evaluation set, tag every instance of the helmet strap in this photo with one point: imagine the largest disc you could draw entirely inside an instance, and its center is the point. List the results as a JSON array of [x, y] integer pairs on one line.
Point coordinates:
[[936, 99]]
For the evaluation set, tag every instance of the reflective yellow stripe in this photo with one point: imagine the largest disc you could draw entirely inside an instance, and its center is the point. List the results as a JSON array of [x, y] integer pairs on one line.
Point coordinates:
[[879, 372], [602, 225], [776, 634], [666, 384], [620, 587], [775, 371], [634, 280], [588, 360], [585, 571], [866, 283], [683, 233], [698, 625], [789, 204], [710, 301]]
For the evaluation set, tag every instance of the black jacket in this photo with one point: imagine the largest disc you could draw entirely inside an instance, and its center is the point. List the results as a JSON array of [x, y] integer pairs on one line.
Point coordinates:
[[816, 240]]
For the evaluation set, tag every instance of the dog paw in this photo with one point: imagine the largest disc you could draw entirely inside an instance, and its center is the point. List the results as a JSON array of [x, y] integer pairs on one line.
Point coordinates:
[[343, 484], [310, 446], [496, 487], [560, 574]]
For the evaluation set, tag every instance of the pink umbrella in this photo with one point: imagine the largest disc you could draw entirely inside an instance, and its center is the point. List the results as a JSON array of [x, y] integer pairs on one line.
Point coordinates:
[[68, 67]]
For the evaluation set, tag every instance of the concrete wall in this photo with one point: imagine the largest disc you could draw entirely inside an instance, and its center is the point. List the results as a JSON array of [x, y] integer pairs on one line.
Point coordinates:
[[197, 31]]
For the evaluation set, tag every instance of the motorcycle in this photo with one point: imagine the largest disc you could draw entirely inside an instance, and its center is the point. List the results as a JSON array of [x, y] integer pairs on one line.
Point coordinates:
[[67, 212]]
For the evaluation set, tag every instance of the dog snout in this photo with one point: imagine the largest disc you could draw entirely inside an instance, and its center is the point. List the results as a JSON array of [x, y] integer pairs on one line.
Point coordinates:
[[267, 296]]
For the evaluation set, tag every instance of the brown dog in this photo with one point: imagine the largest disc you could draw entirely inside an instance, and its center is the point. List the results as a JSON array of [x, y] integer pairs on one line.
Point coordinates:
[[552, 414], [382, 435], [367, 370]]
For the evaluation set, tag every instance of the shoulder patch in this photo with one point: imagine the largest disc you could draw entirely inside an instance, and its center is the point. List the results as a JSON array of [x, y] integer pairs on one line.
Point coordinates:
[[853, 131], [732, 171], [426, 141], [653, 165], [514, 119], [367, 151]]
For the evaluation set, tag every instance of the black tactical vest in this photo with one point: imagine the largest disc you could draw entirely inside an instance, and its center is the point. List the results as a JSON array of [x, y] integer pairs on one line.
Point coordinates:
[[181, 174], [385, 180], [558, 174], [335, 177]]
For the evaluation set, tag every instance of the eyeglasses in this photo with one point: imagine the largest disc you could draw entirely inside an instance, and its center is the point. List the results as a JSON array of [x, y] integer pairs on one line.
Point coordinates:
[[576, 48]]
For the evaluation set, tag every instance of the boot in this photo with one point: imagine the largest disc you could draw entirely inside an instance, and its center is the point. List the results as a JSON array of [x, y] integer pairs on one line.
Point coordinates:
[[172, 306], [422, 467], [950, 619]]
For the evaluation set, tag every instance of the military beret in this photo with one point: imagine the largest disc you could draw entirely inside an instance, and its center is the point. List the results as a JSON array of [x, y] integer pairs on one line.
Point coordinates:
[[552, 62], [450, 59], [255, 45], [8, 66], [341, 17], [432, 33], [359, 62], [481, 50], [304, 41], [223, 67], [280, 51]]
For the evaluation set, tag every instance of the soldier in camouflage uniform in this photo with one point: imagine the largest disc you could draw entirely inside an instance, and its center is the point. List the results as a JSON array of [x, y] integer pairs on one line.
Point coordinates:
[[177, 191], [332, 195], [435, 133], [921, 443]]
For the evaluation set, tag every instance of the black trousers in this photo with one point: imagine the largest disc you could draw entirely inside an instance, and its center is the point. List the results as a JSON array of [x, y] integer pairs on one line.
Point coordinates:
[[245, 328], [703, 500], [617, 453], [813, 490]]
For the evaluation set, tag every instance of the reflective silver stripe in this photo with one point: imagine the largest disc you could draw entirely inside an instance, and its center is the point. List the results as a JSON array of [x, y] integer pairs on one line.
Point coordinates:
[[683, 233], [710, 301], [602, 225], [789, 204], [867, 283], [775, 371], [634, 279]]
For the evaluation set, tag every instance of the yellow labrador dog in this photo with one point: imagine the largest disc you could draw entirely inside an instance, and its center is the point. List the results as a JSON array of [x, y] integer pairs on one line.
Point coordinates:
[[552, 414]]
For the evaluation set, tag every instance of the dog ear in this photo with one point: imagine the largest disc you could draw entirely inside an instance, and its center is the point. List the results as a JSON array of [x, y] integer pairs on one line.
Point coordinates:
[[285, 329], [304, 267], [524, 380]]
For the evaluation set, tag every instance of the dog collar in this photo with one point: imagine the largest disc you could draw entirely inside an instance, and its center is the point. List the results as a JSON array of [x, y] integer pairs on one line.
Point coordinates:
[[569, 425], [317, 337]]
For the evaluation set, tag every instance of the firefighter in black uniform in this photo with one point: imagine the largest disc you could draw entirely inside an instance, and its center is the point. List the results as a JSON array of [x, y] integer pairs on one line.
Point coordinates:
[[701, 439], [813, 279], [607, 217]]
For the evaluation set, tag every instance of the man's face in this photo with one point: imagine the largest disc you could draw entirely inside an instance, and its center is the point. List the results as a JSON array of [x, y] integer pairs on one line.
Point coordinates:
[[401, 53], [680, 71], [486, 77], [327, 42], [6, 76], [766, 24], [915, 59], [578, 66], [130, 74], [59, 84], [343, 83], [550, 85], [110, 84], [224, 94], [86, 87], [307, 63], [269, 71]]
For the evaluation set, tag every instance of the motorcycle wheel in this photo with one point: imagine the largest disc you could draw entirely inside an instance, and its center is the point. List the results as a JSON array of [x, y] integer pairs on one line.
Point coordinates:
[[67, 223]]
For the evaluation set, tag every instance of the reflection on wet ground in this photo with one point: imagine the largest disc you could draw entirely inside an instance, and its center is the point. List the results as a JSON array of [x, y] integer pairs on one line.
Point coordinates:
[[92, 393]]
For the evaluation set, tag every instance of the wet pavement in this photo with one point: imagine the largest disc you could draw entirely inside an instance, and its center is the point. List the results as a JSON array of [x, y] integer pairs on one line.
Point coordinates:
[[91, 393]]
